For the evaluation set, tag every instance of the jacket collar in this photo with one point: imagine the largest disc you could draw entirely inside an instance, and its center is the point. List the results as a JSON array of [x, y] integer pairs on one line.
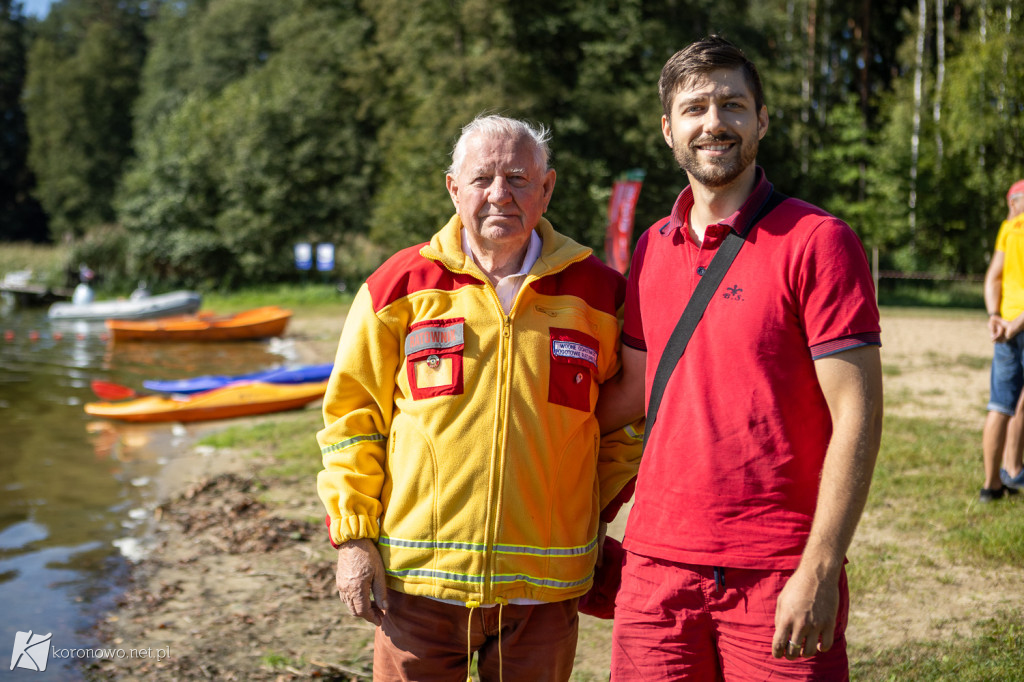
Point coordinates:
[[557, 250]]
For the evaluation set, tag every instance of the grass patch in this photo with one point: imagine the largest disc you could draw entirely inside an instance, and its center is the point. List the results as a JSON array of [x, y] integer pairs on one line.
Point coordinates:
[[931, 294], [300, 298], [889, 370], [288, 437], [927, 481], [903, 396], [973, 361], [994, 654], [878, 569], [274, 660]]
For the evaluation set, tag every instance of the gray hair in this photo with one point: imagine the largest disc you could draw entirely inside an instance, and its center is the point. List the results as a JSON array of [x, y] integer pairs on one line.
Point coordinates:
[[493, 125]]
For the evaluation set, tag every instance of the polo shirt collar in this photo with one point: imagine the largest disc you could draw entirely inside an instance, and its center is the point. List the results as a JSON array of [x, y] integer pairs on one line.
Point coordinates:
[[739, 221]]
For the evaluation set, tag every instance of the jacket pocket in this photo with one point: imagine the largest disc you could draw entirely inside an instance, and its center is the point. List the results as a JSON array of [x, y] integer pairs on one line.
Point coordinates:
[[573, 363], [433, 357]]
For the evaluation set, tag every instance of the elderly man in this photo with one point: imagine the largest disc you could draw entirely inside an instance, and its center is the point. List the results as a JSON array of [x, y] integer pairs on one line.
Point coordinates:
[[462, 477]]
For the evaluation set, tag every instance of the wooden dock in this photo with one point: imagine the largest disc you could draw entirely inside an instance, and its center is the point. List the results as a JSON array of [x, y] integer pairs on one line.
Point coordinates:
[[35, 294]]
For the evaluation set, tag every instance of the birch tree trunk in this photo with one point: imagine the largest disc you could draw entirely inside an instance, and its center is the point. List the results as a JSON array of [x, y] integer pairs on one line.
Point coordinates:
[[983, 30], [915, 135], [864, 72], [940, 77], [825, 68], [806, 87], [1007, 132], [864, 88]]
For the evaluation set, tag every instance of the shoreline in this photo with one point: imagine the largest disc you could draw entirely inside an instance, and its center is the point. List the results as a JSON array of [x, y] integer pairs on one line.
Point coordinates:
[[234, 575]]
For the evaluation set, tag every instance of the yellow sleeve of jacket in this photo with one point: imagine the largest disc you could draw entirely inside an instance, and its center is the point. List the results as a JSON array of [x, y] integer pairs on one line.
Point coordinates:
[[357, 408], [618, 460]]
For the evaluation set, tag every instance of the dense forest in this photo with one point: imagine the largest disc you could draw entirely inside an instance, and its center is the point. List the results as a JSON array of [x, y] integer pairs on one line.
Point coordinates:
[[194, 142]]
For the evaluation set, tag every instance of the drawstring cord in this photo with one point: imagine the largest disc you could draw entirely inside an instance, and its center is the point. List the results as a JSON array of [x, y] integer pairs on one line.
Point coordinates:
[[472, 606], [501, 664]]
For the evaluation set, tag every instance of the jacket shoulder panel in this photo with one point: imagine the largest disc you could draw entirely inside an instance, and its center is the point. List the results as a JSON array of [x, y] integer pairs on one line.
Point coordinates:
[[407, 272], [600, 286]]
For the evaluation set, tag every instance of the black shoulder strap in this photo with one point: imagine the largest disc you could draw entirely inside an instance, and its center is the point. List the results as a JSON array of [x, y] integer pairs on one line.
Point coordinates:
[[694, 311]]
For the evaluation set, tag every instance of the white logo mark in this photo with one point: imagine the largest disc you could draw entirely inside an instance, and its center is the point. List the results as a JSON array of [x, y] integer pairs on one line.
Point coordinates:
[[31, 651]]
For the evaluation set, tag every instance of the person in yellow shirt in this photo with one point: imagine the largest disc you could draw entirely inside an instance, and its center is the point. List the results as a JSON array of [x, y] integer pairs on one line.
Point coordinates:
[[1004, 300]]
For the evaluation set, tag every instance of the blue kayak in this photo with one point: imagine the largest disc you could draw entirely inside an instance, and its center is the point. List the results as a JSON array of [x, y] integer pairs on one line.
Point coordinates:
[[279, 375]]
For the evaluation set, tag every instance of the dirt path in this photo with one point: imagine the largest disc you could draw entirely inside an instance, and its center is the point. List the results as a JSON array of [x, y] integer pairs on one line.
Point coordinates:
[[240, 586]]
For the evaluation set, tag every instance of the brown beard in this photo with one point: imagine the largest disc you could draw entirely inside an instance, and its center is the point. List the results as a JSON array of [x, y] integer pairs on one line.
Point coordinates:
[[717, 173]]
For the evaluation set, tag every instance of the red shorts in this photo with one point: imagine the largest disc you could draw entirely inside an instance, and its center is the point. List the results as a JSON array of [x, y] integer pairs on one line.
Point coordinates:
[[674, 621]]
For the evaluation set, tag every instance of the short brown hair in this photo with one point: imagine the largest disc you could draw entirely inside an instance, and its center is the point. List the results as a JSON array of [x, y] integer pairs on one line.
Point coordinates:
[[700, 58]]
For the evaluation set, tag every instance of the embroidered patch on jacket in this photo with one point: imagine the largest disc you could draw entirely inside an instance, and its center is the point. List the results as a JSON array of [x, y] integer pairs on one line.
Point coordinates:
[[436, 336], [572, 349], [433, 351], [573, 364]]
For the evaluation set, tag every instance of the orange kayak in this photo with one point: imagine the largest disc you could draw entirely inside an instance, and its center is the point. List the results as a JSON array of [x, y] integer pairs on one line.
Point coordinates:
[[258, 323], [234, 400]]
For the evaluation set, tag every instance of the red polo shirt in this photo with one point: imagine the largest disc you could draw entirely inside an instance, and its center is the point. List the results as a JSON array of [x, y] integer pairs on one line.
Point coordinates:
[[731, 470]]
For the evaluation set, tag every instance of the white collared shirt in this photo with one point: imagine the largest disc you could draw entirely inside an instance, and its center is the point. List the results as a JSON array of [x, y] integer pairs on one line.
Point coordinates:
[[508, 287]]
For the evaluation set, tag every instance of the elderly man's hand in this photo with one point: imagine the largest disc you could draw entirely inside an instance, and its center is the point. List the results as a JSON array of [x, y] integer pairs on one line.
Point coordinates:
[[360, 573]]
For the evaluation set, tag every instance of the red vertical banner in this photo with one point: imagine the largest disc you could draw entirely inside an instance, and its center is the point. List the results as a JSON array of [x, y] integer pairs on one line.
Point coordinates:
[[619, 236]]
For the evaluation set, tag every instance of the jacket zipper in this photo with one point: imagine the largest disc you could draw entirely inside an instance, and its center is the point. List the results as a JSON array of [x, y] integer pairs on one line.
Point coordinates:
[[497, 460]]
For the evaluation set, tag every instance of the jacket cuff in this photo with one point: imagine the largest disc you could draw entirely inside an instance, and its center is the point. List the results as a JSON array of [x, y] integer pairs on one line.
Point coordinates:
[[351, 528]]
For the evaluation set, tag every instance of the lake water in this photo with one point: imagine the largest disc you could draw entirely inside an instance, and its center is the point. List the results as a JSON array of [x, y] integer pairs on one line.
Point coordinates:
[[76, 493]]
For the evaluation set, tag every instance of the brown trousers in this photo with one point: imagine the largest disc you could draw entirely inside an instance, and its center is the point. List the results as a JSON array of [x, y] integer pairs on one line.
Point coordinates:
[[424, 640]]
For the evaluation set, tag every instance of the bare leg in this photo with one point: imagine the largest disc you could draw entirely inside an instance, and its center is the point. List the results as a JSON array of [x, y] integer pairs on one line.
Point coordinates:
[[1013, 453], [993, 442]]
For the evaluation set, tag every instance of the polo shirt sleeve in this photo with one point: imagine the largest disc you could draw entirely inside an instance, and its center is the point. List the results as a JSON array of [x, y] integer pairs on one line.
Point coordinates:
[[836, 291], [633, 324]]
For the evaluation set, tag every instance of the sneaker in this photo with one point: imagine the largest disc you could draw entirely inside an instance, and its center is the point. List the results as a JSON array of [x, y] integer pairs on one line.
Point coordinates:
[[989, 495], [1015, 483]]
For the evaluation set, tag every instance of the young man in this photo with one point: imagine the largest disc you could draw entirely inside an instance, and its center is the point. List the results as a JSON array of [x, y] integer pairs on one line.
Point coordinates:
[[759, 462], [462, 475]]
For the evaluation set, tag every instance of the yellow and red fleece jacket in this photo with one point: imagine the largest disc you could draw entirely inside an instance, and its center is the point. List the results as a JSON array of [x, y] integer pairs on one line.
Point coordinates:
[[463, 440]]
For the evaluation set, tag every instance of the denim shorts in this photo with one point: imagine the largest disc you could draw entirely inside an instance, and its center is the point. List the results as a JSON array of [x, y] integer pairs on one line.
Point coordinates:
[[1007, 376]]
